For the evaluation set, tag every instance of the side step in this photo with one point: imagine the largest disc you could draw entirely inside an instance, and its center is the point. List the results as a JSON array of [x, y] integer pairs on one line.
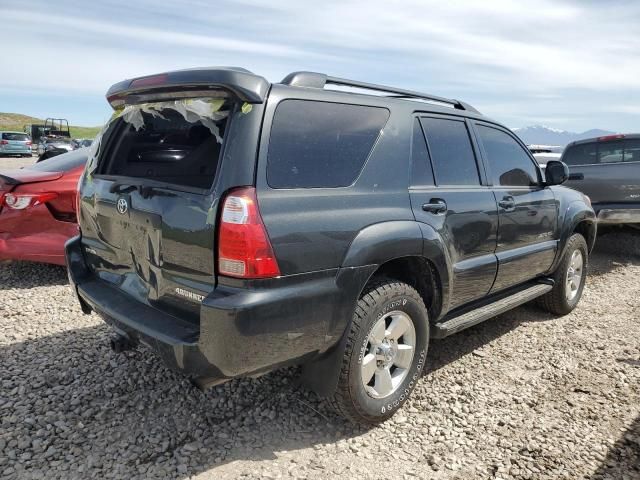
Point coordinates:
[[481, 314]]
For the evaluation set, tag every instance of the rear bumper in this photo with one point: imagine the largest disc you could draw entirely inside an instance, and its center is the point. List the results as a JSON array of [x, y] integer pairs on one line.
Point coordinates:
[[619, 215], [45, 248], [15, 151], [241, 331]]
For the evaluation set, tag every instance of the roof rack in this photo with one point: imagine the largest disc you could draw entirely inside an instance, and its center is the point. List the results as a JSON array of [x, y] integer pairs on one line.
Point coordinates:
[[319, 80]]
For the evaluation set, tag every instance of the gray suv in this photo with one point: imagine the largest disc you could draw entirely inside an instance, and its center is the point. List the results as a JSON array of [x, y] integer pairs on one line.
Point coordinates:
[[607, 169]]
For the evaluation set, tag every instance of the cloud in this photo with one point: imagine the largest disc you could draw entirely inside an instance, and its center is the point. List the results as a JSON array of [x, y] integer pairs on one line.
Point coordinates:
[[518, 60]]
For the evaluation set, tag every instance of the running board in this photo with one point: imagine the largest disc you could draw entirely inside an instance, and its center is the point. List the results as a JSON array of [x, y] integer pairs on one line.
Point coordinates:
[[481, 314]]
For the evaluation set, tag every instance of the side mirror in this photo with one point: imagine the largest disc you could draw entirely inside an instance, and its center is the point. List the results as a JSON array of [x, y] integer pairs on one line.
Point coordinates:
[[556, 172]]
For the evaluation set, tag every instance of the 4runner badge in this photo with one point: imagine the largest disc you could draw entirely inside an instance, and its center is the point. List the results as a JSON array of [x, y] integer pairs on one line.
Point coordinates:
[[190, 295], [122, 206]]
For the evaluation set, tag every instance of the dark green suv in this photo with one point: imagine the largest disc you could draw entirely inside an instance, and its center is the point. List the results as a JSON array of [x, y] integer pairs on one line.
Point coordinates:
[[235, 226]]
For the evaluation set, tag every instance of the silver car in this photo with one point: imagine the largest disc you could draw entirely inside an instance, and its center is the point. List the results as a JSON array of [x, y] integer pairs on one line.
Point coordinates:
[[607, 169], [15, 143]]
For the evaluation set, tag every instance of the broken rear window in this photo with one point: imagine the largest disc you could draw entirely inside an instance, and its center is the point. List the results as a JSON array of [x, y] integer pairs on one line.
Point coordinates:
[[177, 142]]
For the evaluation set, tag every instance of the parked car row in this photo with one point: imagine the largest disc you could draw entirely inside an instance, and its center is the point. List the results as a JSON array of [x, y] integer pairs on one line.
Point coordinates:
[[20, 144], [245, 225]]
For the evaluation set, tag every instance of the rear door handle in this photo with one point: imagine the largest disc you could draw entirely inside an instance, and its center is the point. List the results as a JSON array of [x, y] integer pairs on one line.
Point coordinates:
[[507, 203], [435, 205]]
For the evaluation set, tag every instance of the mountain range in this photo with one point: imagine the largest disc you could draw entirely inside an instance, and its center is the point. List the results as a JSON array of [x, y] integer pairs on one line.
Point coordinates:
[[541, 135]]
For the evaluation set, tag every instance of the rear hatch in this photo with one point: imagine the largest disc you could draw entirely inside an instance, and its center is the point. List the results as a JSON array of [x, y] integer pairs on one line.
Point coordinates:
[[149, 197]]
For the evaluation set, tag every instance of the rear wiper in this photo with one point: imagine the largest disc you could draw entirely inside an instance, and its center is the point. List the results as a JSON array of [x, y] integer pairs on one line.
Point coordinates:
[[118, 188]]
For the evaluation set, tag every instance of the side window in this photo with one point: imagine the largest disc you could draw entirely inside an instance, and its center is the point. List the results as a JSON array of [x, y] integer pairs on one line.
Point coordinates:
[[319, 144], [421, 171], [632, 150], [509, 163], [581, 154], [610, 152], [451, 152]]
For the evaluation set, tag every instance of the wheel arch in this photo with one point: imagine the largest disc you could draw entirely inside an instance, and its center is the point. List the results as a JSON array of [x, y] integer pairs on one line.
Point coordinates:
[[391, 249]]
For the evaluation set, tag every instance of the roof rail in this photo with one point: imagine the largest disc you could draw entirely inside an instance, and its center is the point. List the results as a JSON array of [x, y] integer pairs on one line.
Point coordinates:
[[319, 80]]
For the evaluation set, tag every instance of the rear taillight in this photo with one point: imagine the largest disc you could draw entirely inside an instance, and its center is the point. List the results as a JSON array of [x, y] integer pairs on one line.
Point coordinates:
[[28, 143], [244, 249], [21, 201], [4, 142]]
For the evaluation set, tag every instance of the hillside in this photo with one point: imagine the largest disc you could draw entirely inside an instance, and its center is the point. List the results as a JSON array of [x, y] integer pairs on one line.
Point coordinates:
[[17, 121], [541, 135]]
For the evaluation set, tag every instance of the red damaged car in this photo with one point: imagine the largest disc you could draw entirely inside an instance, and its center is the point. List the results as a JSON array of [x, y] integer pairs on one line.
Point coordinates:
[[38, 208]]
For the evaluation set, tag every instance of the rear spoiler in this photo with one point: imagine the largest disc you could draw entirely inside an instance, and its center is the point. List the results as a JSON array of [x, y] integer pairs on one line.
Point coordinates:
[[239, 82], [17, 177]]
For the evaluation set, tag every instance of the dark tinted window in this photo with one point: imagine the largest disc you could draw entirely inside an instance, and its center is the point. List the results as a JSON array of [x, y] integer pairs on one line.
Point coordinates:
[[62, 163], [632, 150], [22, 137], [508, 161], [451, 152], [319, 144], [610, 152], [421, 173], [581, 154]]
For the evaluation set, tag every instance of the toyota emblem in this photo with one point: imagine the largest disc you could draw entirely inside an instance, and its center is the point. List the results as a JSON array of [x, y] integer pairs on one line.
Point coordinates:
[[122, 206]]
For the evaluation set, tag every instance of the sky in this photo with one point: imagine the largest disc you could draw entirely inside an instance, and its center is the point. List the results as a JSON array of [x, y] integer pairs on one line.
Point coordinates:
[[565, 64]]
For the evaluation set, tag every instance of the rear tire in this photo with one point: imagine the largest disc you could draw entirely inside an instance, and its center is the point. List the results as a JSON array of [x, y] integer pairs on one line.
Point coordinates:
[[569, 278], [385, 352]]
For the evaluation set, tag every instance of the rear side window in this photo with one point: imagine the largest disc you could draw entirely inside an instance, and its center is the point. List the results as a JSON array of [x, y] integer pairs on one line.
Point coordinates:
[[21, 137], [509, 163], [451, 152], [318, 144], [632, 150], [581, 154]]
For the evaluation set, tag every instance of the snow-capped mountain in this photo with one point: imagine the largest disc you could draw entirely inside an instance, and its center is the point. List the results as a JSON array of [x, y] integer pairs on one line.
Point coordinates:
[[541, 135]]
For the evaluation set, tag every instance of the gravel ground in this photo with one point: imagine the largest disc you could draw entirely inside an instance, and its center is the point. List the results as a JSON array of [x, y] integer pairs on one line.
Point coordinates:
[[7, 163], [524, 395]]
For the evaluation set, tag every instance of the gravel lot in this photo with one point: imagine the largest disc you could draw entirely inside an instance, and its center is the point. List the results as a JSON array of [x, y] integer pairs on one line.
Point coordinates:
[[7, 163], [524, 395]]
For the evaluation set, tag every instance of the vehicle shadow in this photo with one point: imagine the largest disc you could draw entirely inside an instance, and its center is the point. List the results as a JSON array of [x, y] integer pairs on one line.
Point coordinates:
[[69, 400], [623, 459], [615, 247], [30, 275]]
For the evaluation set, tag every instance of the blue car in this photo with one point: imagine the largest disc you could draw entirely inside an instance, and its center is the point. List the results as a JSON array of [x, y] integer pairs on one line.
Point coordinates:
[[15, 143]]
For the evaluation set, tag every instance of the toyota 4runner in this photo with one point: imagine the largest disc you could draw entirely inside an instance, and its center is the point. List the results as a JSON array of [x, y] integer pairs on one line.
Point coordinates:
[[235, 226]]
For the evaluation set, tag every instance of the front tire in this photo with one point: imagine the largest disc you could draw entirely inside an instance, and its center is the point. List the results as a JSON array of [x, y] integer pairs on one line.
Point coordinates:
[[385, 352], [569, 278]]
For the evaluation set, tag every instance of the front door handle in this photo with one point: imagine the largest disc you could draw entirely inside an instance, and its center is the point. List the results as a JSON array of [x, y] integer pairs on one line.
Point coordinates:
[[508, 203], [435, 205]]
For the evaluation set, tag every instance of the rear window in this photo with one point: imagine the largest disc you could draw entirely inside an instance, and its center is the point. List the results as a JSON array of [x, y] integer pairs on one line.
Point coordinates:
[[170, 142], [319, 144], [606, 152], [21, 137], [62, 163]]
